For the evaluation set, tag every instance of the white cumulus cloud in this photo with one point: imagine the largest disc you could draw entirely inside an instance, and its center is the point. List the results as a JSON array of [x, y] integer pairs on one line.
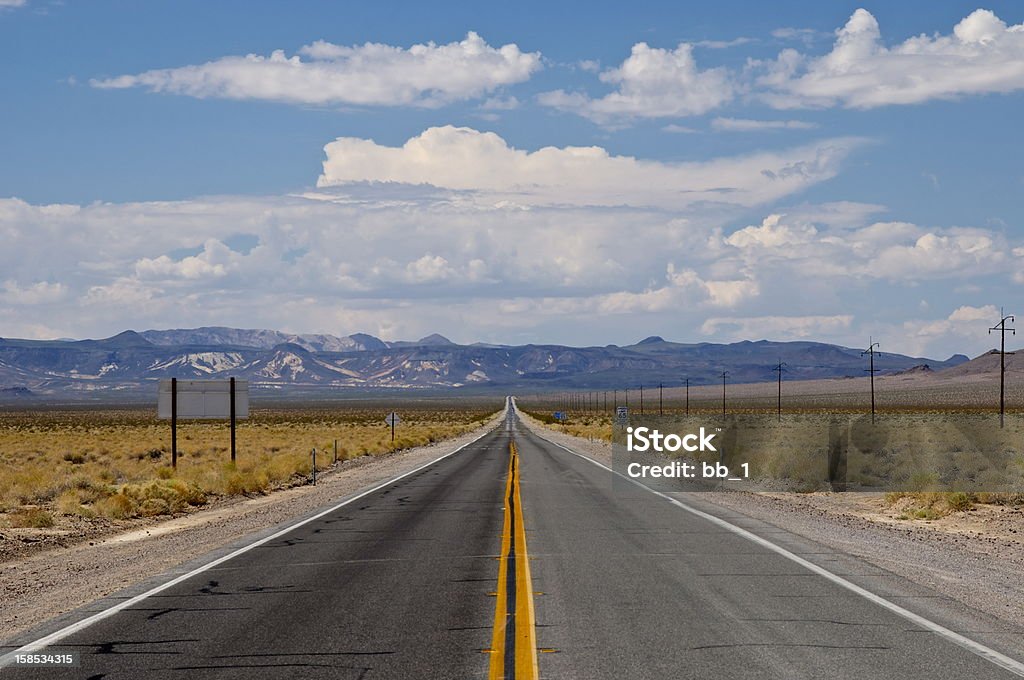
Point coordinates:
[[465, 159], [777, 327], [370, 74], [41, 292], [748, 125], [771, 234], [651, 83], [401, 262], [213, 261], [981, 55]]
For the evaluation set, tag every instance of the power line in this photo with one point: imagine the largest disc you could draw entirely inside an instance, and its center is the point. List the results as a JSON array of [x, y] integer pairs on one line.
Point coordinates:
[[780, 368], [871, 352], [1001, 327]]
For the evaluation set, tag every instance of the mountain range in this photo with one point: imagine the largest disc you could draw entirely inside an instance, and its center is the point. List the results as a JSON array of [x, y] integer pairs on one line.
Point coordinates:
[[269, 359]]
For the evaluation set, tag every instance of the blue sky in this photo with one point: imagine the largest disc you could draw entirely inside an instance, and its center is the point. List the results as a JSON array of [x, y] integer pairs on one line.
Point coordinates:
[[140, 149]]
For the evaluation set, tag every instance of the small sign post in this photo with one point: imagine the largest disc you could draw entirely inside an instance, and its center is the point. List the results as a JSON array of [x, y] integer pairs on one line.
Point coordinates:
[[202, 400], [392, 419], [233, 419], [174, 423]]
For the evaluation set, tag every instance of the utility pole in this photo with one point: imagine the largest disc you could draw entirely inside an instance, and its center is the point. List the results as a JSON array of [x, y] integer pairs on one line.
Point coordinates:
[[641, 399], [605, 407], [871, 352], [779, 369], [615, 400], [687, 396], [661, 389], [627, 397], [725, 374], [1001, 327]]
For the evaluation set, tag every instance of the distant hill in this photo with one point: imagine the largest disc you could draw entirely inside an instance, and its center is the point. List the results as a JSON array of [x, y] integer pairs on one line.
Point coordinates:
[[920, 369], [987, 363], [262, 339], [282, 361]]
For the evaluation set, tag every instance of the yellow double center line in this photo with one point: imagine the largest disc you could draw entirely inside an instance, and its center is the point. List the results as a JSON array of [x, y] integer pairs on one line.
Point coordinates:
[[514, 642]]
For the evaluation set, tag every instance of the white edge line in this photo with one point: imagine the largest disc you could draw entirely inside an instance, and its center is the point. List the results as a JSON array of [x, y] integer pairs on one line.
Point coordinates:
[[59, 635], [973, 646]]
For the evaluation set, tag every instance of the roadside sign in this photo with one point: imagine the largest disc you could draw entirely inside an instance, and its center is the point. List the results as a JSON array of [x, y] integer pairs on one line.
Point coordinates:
[[559, 415], [392, 419], [622, 413], [203, 399]]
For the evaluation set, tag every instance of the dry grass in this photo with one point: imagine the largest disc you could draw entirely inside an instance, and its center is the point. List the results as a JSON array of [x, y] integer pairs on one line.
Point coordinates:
[[31, 518], [929, 504], [933, 504], [587, 426], [117, 463], [925, 451]]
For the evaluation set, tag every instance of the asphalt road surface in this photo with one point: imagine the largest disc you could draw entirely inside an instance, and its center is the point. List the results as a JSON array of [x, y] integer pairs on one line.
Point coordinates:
[[516, 558]]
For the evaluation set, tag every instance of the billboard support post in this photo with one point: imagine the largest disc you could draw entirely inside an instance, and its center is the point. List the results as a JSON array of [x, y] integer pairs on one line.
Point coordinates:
[[225, 399], [174, 423], [232, 420]]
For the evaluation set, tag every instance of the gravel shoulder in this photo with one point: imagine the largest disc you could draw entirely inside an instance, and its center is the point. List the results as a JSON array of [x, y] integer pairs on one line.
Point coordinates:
[[38, 584], [974, 557]]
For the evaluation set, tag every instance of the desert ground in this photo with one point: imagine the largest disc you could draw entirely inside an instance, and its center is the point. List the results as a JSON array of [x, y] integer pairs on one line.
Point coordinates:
[[76, 473], [970, 391]]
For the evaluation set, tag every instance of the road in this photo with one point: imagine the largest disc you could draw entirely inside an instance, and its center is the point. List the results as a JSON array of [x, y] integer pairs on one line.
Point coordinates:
[[516, 558]]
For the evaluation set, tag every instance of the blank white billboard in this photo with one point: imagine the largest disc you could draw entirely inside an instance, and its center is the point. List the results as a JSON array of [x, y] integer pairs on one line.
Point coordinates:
[[204, 399]]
